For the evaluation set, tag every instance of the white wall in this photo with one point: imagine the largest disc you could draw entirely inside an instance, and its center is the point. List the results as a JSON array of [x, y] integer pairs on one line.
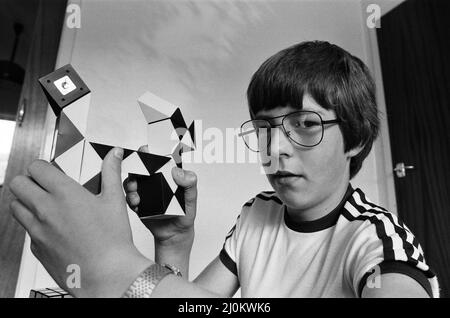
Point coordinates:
[[199, 55]]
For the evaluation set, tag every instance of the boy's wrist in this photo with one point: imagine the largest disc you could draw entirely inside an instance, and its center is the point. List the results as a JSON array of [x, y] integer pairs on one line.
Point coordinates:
[[113, 279], [176, 252], [179, 242]]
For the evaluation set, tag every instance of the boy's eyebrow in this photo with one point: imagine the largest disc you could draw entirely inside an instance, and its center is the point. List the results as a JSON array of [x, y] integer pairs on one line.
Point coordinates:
[[262, 117], [321, 113]]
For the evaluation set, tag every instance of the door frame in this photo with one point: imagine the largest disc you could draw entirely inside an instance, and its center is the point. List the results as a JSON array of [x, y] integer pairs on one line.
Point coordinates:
[[382, 145], [30, 267]]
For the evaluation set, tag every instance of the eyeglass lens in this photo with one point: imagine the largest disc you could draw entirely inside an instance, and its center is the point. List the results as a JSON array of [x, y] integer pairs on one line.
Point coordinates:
[[303, 128]]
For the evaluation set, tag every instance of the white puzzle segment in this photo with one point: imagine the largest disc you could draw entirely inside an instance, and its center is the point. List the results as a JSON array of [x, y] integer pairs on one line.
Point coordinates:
[[133, 164], [161, 138], [78, 112], [187, 141], [174, 208], [166, 170], [91, 165], [70, 160], [155, 108]]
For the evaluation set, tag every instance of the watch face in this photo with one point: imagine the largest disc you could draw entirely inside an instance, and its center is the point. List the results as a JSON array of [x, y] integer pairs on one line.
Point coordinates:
[[173, 269]]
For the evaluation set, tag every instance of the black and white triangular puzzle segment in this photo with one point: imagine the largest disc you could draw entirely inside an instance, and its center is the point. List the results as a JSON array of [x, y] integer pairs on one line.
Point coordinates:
[[166, 127], [167, 133]]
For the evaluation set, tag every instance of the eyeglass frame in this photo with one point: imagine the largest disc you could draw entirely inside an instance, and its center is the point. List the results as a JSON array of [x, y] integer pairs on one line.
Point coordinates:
[[323, 122]]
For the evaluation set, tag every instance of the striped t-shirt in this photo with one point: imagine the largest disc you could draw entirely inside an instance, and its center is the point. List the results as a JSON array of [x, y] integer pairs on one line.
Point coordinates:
[[334, 256]]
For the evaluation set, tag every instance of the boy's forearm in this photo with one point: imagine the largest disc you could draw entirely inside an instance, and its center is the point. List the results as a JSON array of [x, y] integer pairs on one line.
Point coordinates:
[[176, 254], [126, 271]]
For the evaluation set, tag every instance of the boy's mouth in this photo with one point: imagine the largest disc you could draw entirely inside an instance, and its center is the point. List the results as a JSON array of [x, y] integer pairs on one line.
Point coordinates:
[[285, 177], [285, 173]]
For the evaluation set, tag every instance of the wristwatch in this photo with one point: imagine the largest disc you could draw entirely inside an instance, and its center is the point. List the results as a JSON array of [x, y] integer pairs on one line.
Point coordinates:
[[146, 282], [174, 269]]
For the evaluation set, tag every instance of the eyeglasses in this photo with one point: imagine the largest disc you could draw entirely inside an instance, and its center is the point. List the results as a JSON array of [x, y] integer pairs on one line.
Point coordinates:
[[304, 128]]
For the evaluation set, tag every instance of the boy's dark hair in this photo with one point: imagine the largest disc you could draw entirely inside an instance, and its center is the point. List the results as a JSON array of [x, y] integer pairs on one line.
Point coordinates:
[[335, 79]]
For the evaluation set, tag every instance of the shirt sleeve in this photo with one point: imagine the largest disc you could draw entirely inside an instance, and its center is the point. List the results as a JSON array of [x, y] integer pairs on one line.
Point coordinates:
[[383, 245], [229, 251]]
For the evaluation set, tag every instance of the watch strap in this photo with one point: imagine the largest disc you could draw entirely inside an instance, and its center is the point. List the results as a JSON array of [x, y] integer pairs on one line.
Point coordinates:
[[146, 282]]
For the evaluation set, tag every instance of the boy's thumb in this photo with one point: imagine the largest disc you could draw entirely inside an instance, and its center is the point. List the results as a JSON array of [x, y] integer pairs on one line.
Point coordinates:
[[111, 173], [187, 180]]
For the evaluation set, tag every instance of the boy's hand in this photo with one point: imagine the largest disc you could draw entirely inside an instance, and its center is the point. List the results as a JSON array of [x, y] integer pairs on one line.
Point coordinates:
[[177, 230], [69, 225]]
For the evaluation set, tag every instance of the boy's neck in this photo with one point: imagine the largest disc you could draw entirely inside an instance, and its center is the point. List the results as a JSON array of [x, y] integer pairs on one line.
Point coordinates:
[[321, 209]]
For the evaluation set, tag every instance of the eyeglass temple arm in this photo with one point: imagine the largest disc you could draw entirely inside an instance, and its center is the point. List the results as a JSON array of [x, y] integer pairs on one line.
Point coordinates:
[[246, 132], [332, 121], [253, 130]]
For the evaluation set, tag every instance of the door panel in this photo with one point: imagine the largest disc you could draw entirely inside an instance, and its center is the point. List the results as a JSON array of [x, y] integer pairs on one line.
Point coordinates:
[[414, 50]]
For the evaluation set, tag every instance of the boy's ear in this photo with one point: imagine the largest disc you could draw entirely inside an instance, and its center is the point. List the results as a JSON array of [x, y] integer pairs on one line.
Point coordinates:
[[354, 151]]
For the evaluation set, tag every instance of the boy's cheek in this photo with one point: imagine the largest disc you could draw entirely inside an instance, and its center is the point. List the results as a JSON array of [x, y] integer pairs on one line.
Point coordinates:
[[325, 165]]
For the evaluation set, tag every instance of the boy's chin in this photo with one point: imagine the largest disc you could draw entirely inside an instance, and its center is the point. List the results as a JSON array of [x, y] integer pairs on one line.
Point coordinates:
[[294, 199]]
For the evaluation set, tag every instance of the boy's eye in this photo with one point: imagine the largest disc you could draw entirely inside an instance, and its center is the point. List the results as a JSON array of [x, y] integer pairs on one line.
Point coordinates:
[[312, 124], [305, 123]]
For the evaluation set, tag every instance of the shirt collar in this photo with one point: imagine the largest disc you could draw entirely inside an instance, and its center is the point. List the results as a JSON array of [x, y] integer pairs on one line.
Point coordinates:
[[324, 222]]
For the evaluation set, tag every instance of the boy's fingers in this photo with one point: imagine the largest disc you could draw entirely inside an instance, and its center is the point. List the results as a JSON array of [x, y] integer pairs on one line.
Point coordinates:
[[133, 199], [47, 176], [130, 185], [23, 215], [111, 174], [28, 192], [143, 148]]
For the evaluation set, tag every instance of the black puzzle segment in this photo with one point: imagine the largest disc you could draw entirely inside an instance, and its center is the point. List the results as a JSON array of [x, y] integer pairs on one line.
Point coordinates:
[[94, 185], [62, 87], [179, 195], [102, 150], [152, 162], [68, 135], [192, 132], [178, 122], [188, 141], [127, 153], [154, 193]]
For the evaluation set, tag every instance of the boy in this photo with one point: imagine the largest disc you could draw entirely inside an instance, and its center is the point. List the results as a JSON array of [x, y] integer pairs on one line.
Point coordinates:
[[315, 236], [312, 109]]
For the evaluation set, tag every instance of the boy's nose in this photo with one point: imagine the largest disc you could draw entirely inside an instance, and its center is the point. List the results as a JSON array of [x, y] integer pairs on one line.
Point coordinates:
[[280, 144]]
